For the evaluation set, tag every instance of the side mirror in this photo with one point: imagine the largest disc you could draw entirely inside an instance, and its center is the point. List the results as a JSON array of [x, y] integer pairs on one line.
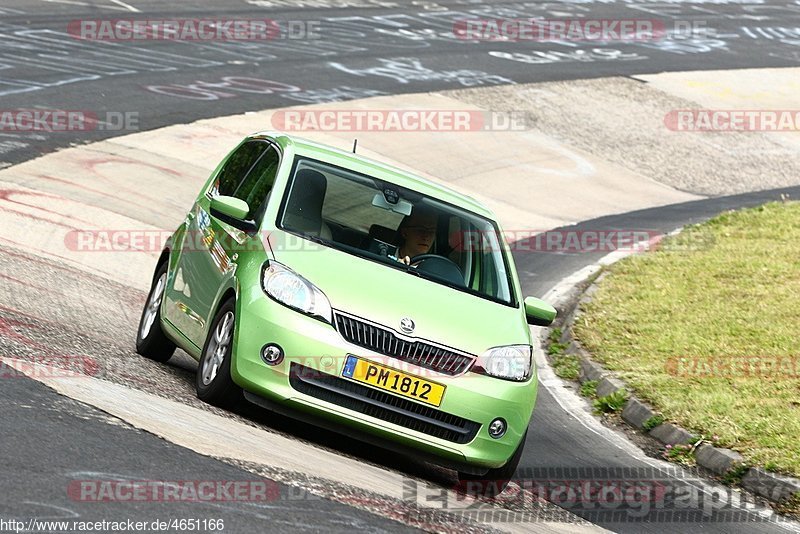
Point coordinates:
[[538, 312], [233, 207], [233, 211]]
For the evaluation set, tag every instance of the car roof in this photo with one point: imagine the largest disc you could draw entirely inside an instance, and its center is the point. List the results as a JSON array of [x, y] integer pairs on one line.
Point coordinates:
[[377, 169]]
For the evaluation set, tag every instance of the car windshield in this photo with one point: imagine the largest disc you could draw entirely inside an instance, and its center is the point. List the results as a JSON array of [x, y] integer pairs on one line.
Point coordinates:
[[396, 226]]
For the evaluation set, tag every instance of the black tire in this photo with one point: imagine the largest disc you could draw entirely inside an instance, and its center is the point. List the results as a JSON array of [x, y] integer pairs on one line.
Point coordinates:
[[217, 387], [151, 342], [495, 481]]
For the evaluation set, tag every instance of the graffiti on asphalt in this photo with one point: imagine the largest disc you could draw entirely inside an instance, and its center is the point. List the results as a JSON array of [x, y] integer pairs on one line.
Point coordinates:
[[410, 69]]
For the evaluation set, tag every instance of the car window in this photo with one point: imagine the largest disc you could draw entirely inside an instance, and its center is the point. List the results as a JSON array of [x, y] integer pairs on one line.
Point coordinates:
[[236, 167], [349, 203], [257, 185], [354, 213]]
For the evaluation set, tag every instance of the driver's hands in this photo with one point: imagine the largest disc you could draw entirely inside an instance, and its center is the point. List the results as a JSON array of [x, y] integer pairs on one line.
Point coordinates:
[[405, 260]]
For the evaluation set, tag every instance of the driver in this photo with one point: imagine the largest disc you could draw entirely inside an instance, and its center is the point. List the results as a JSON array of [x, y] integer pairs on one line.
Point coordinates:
[[417, 232]]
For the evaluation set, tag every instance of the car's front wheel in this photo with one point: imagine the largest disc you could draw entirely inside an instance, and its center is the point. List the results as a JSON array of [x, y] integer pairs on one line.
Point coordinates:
[[213, 382], [151, 342], [495, 481]]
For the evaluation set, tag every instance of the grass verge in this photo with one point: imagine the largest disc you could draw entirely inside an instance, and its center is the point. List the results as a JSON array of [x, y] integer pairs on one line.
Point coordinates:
[[564, 365], [706, 329]]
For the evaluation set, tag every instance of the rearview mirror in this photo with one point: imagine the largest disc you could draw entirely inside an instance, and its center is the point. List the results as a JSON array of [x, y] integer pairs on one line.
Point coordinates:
[[233, 207], [403, 207], [539, 312]]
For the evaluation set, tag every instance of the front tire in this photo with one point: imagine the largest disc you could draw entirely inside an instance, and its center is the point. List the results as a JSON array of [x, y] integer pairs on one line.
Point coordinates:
[[213, 382], [495, 481], [151, 342]]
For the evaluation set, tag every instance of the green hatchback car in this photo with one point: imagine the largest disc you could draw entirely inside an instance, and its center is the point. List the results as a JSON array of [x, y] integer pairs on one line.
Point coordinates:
[[320, 284]]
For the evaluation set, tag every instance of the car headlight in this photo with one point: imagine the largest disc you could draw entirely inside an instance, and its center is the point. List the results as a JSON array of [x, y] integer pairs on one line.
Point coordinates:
[[294, 291], [513, 362]]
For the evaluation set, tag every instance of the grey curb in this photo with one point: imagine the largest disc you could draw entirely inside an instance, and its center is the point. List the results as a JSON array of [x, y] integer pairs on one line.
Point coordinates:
[[717, 459], [609, 385], [771, 486], [636, 413], [590, 370], [670, 434]]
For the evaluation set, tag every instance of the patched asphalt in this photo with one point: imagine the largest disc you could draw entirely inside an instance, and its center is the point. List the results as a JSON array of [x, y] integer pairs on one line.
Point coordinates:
[[358, 50]]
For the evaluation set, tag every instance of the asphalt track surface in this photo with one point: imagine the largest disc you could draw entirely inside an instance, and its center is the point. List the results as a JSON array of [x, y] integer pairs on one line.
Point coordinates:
[[356, 52], [81, 443], [367, 50]]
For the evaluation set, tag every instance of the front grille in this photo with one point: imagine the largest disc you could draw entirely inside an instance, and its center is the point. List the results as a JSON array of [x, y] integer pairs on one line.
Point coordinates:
[[381, 405], [384, 341]]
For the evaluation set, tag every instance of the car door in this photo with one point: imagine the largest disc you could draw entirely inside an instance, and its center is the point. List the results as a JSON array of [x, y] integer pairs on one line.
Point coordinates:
[[210, 248]]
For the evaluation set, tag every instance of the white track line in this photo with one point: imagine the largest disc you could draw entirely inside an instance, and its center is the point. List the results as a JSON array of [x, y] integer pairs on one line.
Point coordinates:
[[71, 2], [119, 4], [126, 6]]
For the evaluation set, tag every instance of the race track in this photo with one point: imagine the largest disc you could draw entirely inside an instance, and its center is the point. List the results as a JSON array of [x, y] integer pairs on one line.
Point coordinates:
[[57, 301]]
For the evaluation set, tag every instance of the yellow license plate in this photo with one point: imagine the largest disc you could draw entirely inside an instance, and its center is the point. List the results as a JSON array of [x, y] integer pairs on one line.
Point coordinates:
[[394, 381]]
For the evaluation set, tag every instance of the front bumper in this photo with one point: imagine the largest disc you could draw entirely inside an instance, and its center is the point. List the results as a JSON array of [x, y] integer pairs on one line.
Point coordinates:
[[308, 384]]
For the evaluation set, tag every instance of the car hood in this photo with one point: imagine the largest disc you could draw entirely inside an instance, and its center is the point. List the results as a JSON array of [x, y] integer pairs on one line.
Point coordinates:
[[384, 295]]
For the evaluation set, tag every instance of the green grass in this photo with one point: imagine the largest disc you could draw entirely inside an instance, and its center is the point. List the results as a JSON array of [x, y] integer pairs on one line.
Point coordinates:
[[682, 454], [566, 366], [653, 422], [589, 388], [668, 322], [735, 474], [611, 403], [555, 335]]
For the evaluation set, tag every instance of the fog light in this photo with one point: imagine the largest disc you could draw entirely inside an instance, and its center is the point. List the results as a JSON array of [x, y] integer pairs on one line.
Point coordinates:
[[497, 428], [272, 354]]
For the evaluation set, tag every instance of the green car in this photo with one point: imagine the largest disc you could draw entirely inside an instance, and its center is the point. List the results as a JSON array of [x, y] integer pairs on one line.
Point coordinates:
[[354, 295]]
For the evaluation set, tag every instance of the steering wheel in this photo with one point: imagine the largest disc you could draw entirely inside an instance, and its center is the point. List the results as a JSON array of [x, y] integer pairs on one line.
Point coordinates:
[[439, 266], [422, 257]]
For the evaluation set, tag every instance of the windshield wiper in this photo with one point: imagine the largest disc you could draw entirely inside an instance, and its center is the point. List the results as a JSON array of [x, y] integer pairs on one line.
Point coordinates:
[[316, 239]]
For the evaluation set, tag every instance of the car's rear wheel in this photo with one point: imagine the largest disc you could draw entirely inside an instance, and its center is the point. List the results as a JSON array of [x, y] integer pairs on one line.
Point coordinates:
[[213, 382], [151, 342], [495, 481]]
